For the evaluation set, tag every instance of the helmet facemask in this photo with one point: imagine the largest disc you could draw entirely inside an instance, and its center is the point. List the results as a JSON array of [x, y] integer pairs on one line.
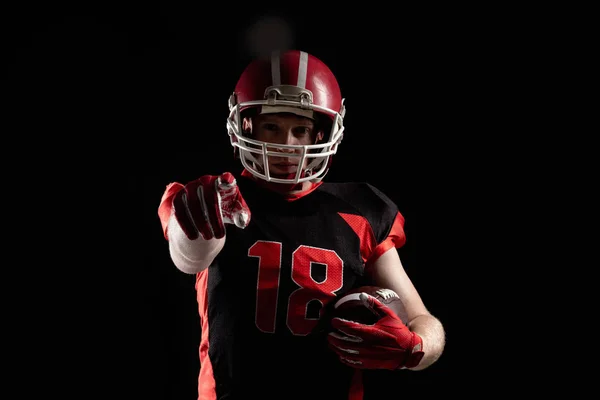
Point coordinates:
[[254, 154]]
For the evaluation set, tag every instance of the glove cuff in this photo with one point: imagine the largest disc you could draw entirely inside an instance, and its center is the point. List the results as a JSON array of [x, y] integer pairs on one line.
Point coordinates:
[[415, 352]]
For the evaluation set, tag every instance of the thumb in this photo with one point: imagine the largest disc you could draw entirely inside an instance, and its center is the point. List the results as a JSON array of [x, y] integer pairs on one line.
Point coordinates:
[[233, 207], [226, 181], [376, 306]]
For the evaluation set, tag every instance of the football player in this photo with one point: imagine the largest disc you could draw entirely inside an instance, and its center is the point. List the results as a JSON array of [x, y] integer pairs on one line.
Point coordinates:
[[274, 246]]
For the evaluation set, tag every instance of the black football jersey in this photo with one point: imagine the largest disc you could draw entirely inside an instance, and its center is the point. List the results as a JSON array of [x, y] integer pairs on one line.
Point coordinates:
[[264, 302]]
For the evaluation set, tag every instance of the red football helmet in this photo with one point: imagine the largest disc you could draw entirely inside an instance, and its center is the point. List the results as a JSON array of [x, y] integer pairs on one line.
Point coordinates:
[[291, 81]]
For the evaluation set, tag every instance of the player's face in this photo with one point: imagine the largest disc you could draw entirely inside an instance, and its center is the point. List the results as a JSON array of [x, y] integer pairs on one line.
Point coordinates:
[[289, 129]]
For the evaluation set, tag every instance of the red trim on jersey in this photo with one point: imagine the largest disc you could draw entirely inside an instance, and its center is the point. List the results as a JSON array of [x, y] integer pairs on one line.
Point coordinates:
[[206, 379], [272, 186], [396, 238], [356, 386], [166, 204], [363, 230], [369, 250]]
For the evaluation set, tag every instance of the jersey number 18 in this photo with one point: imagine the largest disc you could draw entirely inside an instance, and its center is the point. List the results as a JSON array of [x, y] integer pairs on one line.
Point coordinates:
[[269, 274]]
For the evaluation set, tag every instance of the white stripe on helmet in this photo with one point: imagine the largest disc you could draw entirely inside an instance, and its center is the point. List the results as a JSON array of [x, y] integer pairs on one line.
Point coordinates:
[[275, 72], [302, 69]]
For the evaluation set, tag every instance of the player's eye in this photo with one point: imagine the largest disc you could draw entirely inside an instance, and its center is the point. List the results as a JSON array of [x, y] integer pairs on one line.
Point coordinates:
[[269, 126], [302, 130]]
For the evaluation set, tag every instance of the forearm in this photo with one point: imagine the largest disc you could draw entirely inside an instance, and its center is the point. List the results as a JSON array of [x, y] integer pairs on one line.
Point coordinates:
[[191, 256], [431, 330]]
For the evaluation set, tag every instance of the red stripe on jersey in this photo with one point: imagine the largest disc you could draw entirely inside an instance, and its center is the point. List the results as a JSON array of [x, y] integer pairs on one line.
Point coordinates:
[[356, 386], [166, 204], [396, 238], [206, 379], [369, 250], [363, 230]]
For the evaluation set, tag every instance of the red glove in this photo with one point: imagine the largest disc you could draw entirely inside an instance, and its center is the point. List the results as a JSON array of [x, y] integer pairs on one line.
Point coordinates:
[[206, 204], [388, 344]]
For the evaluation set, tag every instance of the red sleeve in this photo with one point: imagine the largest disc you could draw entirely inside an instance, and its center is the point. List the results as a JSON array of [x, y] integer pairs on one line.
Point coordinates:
[[166, 204]]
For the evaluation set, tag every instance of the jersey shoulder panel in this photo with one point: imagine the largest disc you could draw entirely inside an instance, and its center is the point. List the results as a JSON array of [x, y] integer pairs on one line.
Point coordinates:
[[366, 200]]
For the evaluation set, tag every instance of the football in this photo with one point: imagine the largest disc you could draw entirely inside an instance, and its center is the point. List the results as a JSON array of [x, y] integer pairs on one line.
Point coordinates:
[[350, 307]]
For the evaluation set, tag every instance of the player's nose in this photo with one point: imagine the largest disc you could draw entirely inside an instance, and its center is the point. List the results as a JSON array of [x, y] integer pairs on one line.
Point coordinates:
[[286, 139]]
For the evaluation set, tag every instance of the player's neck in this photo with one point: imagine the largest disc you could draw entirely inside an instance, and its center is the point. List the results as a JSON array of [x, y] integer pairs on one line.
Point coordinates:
[[293, 192], [290, 192], [287, 189], [294, 189]]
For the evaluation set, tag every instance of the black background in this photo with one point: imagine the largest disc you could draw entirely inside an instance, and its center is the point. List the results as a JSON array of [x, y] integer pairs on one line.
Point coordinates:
[[106, 104]]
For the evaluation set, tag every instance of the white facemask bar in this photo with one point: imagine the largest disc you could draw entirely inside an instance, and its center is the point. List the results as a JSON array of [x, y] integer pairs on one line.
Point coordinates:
[[266, 150]]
